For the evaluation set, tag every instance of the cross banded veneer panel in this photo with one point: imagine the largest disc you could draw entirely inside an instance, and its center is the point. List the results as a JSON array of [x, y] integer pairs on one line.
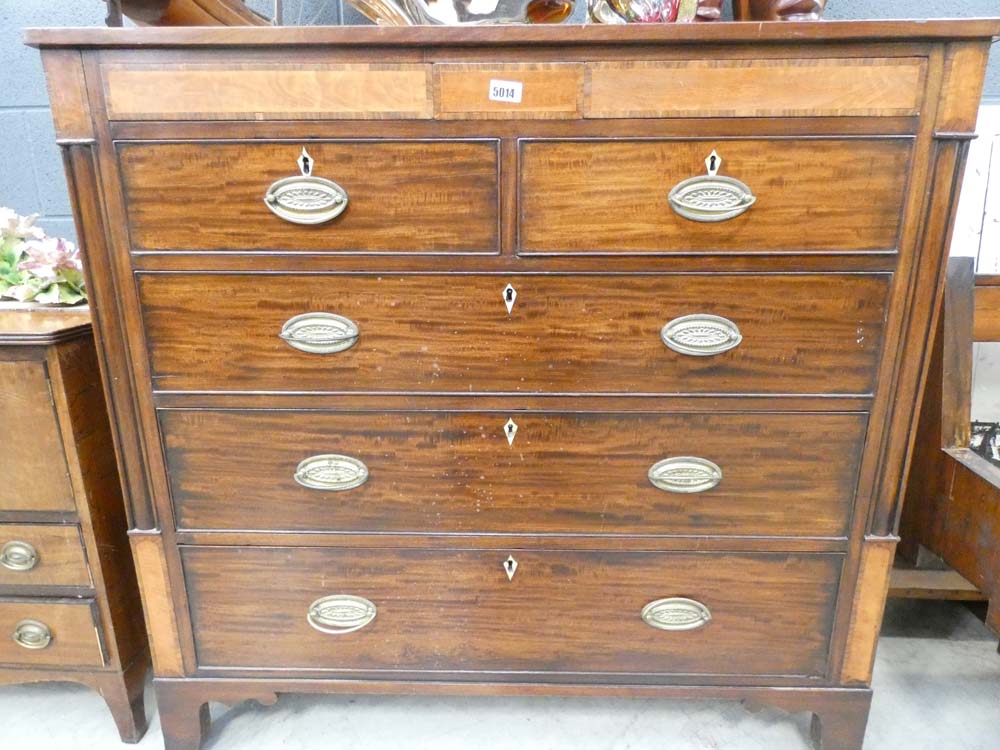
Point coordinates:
[[402, 196], [459, 472], [756, 88], [564, 334], [237, 91], [611, 196], [566, 611]]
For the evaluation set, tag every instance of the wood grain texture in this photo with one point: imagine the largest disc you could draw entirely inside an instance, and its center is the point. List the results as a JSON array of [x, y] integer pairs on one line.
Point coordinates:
[[72, 623], [564, 473], [67, 92], [235, 91], [867, 609], [910, 583], [986, 320], [755, 88], [61, 558], [550, 90], [35, 327], [562, 612], [610, 196], [566, 334], [874, 32], [404, 197], [965, 65], [32, 463], [157, 604]]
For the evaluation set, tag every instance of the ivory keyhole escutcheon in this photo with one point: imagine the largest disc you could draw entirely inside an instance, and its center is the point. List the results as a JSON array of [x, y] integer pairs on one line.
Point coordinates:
[[510, 567], [510, 430], [509, 297]]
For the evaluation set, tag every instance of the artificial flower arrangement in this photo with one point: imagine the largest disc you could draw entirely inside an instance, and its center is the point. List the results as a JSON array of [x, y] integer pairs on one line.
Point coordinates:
[[35, 267]]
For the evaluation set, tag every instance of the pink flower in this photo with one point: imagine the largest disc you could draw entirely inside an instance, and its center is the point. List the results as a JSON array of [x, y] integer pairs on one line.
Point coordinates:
[[46, 257]]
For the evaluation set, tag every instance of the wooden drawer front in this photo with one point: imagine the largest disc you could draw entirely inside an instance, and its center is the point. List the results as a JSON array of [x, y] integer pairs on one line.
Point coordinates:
[[70, 623], [563, 473], [756, 88], [246, 91], [811, 195], [33, 471], [565, 334], [402, 196], [40, 555], [562, 611]]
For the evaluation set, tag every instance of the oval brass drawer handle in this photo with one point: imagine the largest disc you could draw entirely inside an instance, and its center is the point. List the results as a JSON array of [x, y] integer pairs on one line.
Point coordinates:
[[709, 197], [340, 613], [19, 556], [676, 613], [32, 634], [701, 335], [332, 472], [320, 333], [306, 199], [685, 474]]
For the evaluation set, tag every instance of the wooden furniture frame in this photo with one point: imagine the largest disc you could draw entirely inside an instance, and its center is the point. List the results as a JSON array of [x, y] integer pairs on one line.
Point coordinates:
[[925, 115], [61, 497], [952, 506]]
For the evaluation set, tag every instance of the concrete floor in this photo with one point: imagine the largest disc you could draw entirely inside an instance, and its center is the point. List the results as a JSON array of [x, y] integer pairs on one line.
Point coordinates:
[[937, 687]]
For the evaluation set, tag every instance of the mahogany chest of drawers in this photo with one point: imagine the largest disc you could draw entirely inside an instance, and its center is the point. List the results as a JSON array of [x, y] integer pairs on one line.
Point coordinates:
[[516, 360], [69, 601]]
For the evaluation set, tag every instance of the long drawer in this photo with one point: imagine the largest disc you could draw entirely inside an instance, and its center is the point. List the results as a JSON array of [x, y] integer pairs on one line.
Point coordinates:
[[42, 555], [728, 196], [393, 196], [719, 333], [484, 472], [50, 633], [462, 610]]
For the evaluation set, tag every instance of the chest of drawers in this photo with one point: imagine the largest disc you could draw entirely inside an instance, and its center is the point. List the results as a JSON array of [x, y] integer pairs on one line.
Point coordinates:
[[69, 601], [605, 391]]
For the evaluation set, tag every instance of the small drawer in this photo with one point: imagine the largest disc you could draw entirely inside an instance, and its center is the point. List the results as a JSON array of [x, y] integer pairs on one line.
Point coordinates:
[[724, 196], [50, 633], [42, 555], [710, 333], [503, 91], [34, 476], [316, 196], [516, 473], [399, 610]]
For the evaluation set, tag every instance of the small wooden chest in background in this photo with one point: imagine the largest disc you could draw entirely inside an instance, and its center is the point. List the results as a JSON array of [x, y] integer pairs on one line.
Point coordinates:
[[69, 602]]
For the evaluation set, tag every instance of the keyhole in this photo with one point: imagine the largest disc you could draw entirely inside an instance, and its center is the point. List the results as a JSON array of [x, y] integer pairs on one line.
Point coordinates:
[[305, 164], [712, 162], [510, 294], [510, 567]]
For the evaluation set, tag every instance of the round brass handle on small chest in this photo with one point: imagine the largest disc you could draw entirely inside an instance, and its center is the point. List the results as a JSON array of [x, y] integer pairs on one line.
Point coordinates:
[[18, 556], [32, 634]]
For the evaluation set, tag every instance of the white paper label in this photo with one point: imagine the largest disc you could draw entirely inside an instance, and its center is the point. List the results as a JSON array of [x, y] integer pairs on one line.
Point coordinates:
[[506, 91]]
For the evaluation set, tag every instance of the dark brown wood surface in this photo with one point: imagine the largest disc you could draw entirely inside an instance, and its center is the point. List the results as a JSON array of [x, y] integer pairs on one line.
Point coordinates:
[[563, 611], [403, 197], [73, 625], [185, 328], [611, 196], [61, 560], [565, 334], [565, 473]]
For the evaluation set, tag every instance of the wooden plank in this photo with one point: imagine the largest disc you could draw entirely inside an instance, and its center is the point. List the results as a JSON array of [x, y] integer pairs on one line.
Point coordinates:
[[237, 91], [867, 608], [963, 85], [986, 318], [755, 88], [161, 623], [548, 90], [909, 583]]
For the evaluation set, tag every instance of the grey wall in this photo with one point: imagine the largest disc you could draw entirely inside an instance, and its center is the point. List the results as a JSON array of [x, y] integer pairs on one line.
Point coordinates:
[[31, 178]]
